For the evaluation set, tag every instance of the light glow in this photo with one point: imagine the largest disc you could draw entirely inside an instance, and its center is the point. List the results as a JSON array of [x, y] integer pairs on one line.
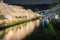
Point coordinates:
[[56, 17]]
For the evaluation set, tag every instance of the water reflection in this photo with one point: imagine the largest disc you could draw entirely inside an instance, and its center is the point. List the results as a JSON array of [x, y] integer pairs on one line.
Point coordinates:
[[18, 32]]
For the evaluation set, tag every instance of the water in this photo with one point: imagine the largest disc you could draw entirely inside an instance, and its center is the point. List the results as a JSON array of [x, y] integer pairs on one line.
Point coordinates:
[[20, 31]]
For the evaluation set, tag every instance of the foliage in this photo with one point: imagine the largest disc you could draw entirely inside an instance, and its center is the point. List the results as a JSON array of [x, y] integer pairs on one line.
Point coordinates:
[[36, 10], [54, 2], [1, 17], [58, 13]]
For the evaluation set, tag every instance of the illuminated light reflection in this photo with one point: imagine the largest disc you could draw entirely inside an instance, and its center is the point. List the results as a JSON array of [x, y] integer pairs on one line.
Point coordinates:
[[37, 22], [47, 21], [20, 33], [9, 36], [42, 24]]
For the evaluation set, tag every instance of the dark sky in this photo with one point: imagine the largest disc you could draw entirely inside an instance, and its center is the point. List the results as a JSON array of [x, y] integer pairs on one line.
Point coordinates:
[[29, 1]]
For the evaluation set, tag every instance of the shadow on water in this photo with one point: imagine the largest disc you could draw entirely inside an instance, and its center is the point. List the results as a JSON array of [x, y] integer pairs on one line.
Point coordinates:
[[38, 34]]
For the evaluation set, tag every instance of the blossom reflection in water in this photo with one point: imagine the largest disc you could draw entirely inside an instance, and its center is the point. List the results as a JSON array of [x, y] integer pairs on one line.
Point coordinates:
[[22, 32]]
